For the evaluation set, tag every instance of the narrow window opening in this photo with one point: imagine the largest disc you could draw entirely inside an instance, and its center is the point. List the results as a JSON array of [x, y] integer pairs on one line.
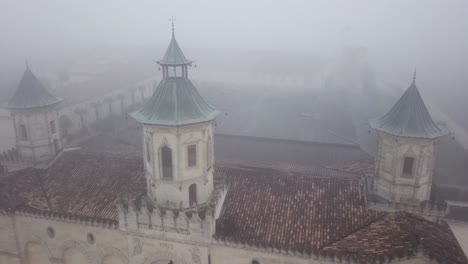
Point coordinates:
[[148, 153], [208, 154], [166, 158], [192, 155], [408, 165]]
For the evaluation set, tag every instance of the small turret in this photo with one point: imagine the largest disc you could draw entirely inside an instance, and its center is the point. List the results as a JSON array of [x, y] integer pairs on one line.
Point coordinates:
[[407, 138], [35, 117], [177, 137]]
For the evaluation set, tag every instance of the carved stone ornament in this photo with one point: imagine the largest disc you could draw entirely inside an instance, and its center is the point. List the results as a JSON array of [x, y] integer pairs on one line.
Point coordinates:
[[137, 247]]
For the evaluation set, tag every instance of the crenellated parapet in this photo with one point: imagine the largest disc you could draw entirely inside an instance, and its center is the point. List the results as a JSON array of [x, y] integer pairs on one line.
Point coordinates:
[[66, 218], [10, 160], [141, 215]]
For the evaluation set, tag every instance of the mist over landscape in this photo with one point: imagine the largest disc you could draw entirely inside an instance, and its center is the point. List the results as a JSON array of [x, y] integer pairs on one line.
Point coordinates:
[[300, 70], [289, 67], [227, 132]]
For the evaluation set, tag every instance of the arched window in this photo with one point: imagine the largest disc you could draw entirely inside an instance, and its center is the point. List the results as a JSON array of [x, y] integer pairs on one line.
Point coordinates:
[[408, 164], [192, 195], [166, 161], [23, 132], [255, 262], [209, 157]]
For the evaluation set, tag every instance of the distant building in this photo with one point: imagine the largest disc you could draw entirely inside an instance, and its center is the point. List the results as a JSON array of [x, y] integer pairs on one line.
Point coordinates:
[[174, 204]]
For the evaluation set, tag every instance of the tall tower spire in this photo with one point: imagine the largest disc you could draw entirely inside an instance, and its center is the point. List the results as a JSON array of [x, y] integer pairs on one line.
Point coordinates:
[[177, 137], [174, 59]]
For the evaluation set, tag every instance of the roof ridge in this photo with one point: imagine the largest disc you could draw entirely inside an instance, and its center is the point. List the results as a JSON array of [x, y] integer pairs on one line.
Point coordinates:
[[367, 224], [41, 186]]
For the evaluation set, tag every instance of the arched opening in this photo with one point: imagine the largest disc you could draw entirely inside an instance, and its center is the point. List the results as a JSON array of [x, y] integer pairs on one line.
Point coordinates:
[[193, 195], [23, 132], [74, 256], [56, 146], [36, 254], [166, 160]]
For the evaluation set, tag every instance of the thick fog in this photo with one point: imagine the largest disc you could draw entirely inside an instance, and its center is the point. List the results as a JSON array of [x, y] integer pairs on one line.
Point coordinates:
[[386, 40], [398, 35]]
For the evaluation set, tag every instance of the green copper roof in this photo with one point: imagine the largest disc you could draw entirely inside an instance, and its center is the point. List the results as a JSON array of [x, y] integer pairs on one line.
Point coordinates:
[[174, 55], [31, 93], [409, 117], [175, 102]]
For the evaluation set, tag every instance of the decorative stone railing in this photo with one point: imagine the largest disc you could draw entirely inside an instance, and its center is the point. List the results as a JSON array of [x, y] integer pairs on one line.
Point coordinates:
[[142, 216]]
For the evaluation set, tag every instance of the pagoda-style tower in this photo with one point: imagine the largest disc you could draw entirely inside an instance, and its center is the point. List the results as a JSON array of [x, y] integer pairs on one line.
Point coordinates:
[[177, 136], [35, 117], [407, 138]]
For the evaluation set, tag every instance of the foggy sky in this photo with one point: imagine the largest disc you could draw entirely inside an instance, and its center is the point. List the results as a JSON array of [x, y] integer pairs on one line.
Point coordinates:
[[399, 34]]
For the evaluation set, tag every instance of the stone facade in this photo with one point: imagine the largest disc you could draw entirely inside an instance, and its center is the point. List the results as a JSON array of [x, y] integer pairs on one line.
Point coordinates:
[[39, 239], [174, 191], [37, 133], [391, 181]]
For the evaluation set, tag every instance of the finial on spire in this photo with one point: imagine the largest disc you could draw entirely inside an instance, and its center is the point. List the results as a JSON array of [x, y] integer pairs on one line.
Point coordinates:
[[414, 75], [27, 63], [172, 20]]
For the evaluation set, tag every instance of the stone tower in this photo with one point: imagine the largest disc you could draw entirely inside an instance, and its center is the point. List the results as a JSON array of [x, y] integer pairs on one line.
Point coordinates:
[[407, 138], [35, 117], [177, 137]]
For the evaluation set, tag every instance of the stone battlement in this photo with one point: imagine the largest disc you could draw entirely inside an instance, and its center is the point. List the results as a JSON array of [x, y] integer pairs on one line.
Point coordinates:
[[10, 160], [141, 215]]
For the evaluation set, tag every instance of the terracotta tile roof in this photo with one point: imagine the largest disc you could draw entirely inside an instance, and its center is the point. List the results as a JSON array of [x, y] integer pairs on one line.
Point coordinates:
[[401, 234], [362, 167], [293, 212], [82, 184]]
